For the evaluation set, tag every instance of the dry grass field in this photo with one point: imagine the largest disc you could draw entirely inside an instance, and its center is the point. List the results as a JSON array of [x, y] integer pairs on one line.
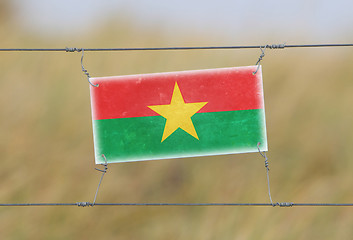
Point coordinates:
[[46, 146]]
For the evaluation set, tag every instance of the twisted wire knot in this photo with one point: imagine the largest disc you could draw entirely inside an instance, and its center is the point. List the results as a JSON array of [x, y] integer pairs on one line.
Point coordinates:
[[283, 204], [85, 72], [276, 46], [68, 49], [267, 164], [84, 204]]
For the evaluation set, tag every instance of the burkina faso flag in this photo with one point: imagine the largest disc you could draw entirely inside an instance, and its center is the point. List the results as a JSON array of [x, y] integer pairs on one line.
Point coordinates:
[[178, 114]]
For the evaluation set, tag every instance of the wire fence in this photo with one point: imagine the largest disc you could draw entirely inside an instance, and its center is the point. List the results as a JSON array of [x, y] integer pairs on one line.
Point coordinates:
[[268, 46], [92, 204], [89, 204]]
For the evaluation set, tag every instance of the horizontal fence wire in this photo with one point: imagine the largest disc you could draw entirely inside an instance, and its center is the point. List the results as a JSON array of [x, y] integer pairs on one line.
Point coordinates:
[[88, 204], [272, 46]]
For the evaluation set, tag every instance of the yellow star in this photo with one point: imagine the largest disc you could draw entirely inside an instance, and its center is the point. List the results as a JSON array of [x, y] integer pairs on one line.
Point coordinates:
[[178, 114]]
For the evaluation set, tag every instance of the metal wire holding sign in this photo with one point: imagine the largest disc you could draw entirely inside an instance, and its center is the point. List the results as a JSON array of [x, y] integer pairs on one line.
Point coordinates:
[[86, 72], [103, 172], [263, 154], [258, 62]]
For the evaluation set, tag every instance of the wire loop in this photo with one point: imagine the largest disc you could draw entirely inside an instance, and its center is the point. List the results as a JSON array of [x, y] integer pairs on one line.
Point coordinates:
[[263, 154], [103, 172], [260, 59], [83, 69], [263, 48]]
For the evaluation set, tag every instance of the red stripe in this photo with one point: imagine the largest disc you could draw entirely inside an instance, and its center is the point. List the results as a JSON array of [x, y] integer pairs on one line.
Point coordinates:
[[226, 89]]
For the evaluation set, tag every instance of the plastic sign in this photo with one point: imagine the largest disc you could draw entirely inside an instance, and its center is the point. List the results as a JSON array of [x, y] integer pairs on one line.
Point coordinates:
[[178, 114]]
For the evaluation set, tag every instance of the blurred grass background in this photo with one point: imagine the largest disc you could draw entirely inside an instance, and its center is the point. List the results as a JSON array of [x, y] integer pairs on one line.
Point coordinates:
[[47, 145]]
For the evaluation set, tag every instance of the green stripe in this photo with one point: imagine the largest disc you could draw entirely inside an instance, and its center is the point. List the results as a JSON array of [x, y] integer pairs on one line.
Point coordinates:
[[132, 139]]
